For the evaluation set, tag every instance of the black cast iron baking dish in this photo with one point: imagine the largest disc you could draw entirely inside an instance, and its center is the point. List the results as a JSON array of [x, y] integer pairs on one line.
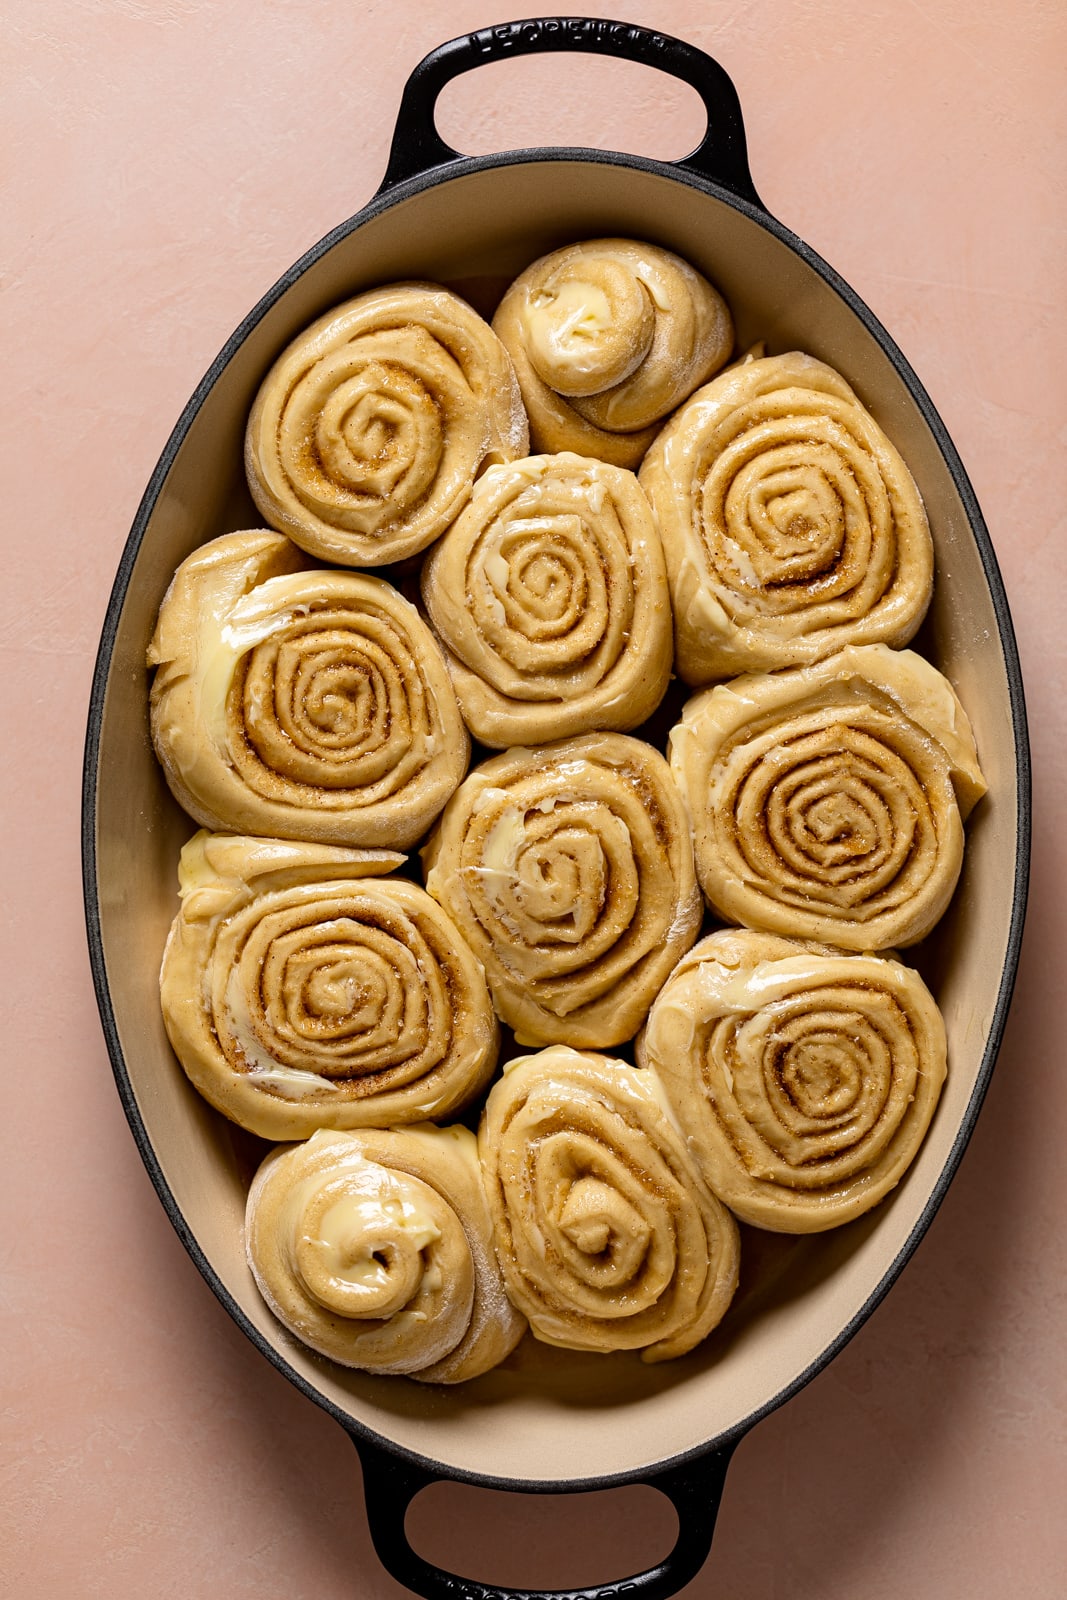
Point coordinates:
[[568, 1422]]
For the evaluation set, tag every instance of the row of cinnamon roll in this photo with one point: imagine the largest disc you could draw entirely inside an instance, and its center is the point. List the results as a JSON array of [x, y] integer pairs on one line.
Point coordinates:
[[790, 526], [779, 1083], [773, 551], [577, 1211], [311, 994], [825, 801]]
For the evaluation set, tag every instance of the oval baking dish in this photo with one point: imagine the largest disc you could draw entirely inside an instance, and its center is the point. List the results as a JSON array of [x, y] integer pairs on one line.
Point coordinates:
[[575, 1422]]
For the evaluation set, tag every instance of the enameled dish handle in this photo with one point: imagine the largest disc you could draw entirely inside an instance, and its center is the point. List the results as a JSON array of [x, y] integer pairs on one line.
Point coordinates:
[[390, 1483], [721, 157]]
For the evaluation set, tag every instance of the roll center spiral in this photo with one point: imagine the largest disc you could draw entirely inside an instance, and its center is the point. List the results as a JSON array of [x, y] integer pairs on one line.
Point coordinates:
[[370, 430], [817, 1075], [359, 1241], [820, 1075], [601, 1223], [833, 810], [563, 883], [337, 989], [589, 328]]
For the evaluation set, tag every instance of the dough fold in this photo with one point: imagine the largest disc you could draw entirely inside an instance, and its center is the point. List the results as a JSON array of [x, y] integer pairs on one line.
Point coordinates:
[[301, 703], [569, 869], [550, 597], [375, 1248], [828, 801], [606, 1235], [302, 990], [608, 336], [370, 428], [790, 523], [804, 1079]]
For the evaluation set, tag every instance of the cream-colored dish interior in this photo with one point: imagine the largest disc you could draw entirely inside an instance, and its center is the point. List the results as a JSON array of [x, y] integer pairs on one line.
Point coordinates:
[[546, 1415]]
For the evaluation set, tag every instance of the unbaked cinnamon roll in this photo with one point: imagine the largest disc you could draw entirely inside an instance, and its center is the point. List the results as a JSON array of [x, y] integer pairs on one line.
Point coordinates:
[[569, 869], [803, 1079], [369, 430], [606, 1235], [790, 523], [301, 703], [550, 597], [608, 337], [828, 801], [375, 1249], [302, 990]]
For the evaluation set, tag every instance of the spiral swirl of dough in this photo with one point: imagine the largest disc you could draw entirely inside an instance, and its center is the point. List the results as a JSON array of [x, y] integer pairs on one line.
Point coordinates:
[[300, 992], [828, 801], [804, 1079], [369, 430], [375, 1248], [608, 337], [606, 1235], [301, 703], [790, 524], [569, 869], [550, 596]]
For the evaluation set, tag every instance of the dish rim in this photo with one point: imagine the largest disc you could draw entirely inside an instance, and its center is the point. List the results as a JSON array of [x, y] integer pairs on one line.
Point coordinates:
[[385, 199]]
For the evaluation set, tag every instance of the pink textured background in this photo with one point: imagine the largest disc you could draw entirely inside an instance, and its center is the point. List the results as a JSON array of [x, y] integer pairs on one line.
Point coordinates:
[[162, 162]]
